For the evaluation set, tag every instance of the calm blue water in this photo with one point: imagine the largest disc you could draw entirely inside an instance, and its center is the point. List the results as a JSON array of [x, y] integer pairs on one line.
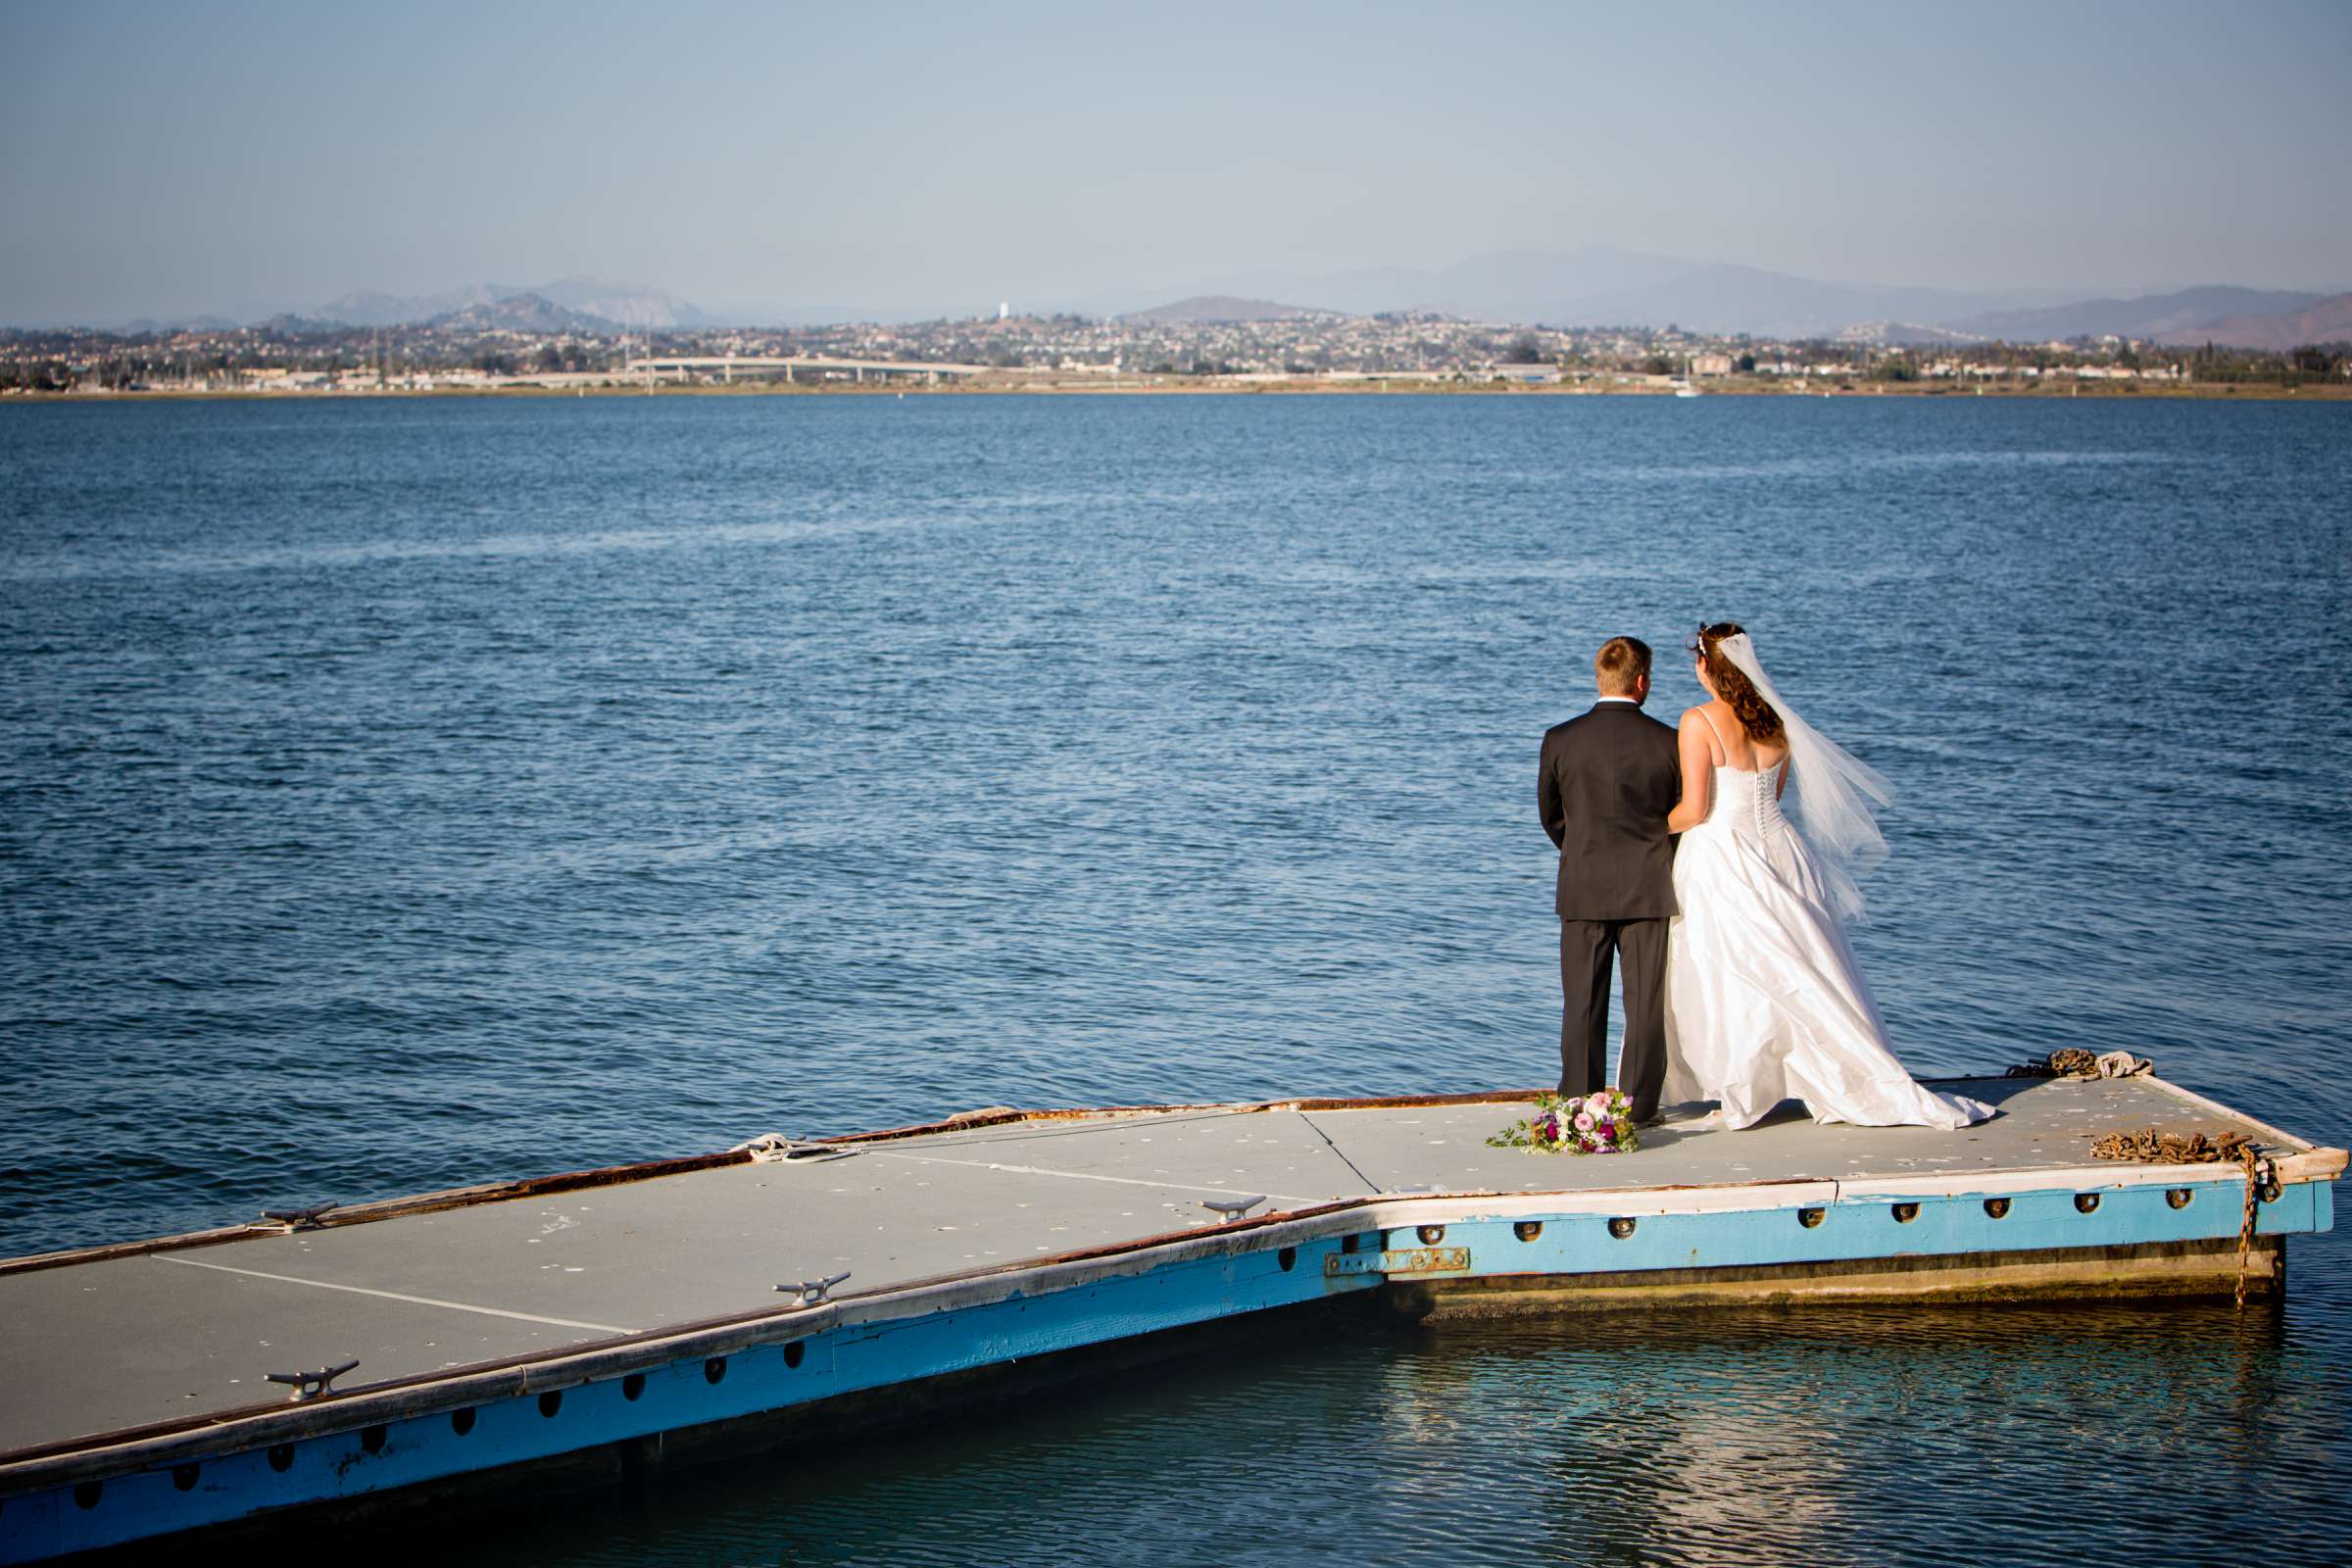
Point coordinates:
[[401, 794]]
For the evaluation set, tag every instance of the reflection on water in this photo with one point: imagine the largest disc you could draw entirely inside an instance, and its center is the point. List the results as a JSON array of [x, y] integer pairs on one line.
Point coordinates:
[[1874, 1434]]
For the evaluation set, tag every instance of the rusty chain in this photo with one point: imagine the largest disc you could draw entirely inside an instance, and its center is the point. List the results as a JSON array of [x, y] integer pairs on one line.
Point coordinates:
[[2153, 1148], [2169, 1148], [2245, 1226], [2072, 1062]]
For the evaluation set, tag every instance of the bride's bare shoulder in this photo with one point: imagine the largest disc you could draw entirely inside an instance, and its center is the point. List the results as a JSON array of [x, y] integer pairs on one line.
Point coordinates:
[[1695, 736]]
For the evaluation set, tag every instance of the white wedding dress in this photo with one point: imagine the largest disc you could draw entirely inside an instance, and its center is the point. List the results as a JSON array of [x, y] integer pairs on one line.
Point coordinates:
[[1764, 1000]]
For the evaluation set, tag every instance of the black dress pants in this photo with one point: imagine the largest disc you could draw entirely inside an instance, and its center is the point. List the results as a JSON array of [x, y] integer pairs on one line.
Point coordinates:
[[1588, 952]]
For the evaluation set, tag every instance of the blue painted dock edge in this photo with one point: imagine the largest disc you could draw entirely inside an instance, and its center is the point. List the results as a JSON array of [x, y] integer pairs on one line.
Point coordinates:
[[345, 1449]]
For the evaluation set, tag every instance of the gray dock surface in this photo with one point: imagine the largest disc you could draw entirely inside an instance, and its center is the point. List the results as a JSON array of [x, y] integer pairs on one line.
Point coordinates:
[[100, 1346]]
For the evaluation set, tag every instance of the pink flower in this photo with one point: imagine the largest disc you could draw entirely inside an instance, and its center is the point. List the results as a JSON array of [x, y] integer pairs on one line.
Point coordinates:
[[1584, 1121], [1599, 1104], [1608, 1132]]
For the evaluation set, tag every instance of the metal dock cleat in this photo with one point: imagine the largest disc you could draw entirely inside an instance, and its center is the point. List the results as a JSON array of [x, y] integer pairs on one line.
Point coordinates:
[[311, 1385], [290, 1220], [1230, 1210], [813, 1293]]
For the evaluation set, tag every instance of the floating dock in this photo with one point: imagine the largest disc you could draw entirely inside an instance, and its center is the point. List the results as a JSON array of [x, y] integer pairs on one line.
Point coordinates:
[[368, 1355]]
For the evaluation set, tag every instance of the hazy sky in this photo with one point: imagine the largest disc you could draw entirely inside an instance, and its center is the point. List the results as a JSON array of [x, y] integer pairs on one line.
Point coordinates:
[[175, 158]]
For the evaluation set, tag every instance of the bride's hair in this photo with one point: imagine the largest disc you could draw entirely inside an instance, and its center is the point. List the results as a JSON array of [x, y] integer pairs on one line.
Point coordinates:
[[1754, 714]]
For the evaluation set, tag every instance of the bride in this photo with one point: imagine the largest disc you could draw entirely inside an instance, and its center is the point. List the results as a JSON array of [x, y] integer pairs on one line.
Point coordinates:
[[1764, 999]]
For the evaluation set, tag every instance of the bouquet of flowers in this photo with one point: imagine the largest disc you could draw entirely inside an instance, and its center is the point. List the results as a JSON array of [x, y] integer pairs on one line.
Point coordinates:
[[1600, 1123]]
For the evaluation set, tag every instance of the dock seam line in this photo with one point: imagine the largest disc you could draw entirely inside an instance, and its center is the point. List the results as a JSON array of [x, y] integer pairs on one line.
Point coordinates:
[[1090, 1176], [395, 1295], [1368, 1181]]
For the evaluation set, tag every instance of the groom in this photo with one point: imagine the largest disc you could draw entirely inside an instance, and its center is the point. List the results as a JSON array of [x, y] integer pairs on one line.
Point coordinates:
[[1609, 778]]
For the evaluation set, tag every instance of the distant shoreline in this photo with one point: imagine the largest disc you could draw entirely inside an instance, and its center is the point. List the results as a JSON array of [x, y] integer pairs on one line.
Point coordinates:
[[1187, 386]]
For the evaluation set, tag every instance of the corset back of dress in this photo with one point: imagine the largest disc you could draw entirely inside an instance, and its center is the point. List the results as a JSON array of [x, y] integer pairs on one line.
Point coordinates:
[[1748, 803]]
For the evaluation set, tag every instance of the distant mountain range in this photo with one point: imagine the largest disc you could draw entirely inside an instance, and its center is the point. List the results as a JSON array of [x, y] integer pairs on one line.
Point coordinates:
[[510, 313], [1604, 286], [1596, 287], [2151, 316], [178, 323], [2327, 320], [602, 304], [523, 313]]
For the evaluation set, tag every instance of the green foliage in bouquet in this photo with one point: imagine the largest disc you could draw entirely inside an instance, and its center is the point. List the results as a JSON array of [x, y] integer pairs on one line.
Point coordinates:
[[1600, 1123]]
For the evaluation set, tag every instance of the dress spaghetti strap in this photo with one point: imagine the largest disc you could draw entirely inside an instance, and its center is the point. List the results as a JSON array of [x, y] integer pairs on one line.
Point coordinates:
[[1725, 749]]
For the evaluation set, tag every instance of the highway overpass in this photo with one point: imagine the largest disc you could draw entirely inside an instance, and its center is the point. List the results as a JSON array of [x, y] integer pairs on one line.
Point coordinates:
[[813, 367]]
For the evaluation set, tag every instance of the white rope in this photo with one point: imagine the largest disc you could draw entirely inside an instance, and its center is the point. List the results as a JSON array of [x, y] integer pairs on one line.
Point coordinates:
[[782, 1148]]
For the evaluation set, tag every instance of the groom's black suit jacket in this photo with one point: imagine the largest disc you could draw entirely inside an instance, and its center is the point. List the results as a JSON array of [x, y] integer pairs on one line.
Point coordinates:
[[1609, 778]]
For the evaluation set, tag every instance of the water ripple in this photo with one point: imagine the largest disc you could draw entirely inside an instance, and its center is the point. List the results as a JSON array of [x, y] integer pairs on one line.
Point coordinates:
[[397, 795]]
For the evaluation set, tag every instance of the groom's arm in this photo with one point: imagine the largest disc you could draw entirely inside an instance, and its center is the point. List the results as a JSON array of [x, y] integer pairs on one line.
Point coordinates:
[[1554, 815]]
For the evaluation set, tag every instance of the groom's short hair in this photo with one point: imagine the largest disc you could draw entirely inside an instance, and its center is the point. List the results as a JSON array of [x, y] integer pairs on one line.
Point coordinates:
[[1621, 665]]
